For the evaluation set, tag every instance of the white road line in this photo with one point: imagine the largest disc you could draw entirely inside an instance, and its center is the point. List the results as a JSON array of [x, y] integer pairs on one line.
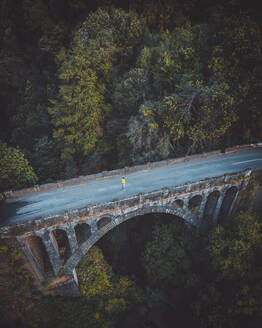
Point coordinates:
[[251, 160]]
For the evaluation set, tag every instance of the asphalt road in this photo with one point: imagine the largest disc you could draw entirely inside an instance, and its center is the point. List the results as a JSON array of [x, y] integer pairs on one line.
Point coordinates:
[[57, 201]]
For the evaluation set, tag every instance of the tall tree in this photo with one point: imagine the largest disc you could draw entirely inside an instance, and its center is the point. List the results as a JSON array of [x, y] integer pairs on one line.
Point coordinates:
[[231, 294], [236, 60], [79, 109], [15, 171], [197, 117]]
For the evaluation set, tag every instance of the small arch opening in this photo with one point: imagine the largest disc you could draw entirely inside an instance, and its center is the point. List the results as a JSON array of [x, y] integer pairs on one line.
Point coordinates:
[[226, 204], [194, 204], [83, 232], [210, 208], [39, 254], [179, 203], [103, 222], [62, 245]]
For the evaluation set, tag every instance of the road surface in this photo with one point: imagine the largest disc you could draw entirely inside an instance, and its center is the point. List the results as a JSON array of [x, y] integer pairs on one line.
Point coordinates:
[[57, 201]]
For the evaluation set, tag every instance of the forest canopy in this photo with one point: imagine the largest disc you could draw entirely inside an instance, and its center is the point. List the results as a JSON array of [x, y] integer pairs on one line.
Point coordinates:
[[93, 85]]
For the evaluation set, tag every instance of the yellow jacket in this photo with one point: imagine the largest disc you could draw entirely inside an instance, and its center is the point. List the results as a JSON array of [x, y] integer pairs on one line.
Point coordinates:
[[123, 181]]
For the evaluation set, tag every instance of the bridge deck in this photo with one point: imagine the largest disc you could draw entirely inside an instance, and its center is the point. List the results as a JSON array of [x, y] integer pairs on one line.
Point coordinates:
[[57, 201]]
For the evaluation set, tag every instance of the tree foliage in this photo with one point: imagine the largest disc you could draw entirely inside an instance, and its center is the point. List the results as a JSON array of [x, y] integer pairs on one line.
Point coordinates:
[[105, 298], [15, 171], [215, 280], [167, 259], [85, 70], [16, 287], [79, 110], [236, 59], [198, 116], [194, 66], [233, 296]]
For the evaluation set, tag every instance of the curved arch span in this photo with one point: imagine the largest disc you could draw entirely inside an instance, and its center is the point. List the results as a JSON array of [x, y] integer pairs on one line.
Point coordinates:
[[98, 234]]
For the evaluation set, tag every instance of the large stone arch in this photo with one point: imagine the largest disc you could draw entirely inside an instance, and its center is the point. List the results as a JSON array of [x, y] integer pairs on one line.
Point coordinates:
[[72, 262]]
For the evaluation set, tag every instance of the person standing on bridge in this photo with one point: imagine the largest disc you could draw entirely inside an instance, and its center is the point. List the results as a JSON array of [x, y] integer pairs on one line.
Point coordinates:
[[123, 181]]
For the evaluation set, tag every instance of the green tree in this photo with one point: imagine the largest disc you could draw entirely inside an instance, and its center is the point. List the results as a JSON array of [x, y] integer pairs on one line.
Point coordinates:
[[213, 279], [170, 263], [16, 288], [105, 298], [164, 15], [114, 28], [15, 171], [85, 70], [230, 296], [79, 110], [197, 117], [175, 61], [97, 282], [186, 103], [130, 92], [236, 60]]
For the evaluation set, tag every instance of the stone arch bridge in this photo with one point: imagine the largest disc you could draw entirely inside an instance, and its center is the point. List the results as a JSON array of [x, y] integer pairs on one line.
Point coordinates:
[[203, 203]]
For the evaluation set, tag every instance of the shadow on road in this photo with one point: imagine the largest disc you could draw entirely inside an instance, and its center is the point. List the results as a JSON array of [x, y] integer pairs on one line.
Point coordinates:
[[8, 210]]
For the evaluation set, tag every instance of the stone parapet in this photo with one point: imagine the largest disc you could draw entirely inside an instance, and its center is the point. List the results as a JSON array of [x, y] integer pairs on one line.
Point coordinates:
[[243, 147], [119, 172]]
